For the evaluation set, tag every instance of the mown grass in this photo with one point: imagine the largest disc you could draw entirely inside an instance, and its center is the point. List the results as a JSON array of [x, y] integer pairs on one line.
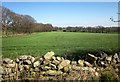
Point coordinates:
[[60, 42]]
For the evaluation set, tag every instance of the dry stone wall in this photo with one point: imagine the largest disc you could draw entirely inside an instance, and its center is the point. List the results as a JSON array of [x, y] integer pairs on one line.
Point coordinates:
[[51, 67]]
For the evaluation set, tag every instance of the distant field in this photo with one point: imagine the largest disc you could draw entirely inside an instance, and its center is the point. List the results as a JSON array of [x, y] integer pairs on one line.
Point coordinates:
[[59, 42]]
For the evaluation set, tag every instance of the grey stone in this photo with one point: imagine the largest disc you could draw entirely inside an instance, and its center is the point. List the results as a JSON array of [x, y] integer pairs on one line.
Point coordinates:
[[11, 65], [17, 60], [7, 61], [87, 64], [5, 76], [18, 74], [32, 59], [41, 59], [46, 62], [21, 68], [27, 62], [73, 75], [45, 67], [53, 72], [97, 74], [66, 69], [97, 69], [73, 62], [91, 69], [85, 68], [65, 74], [31, 69], [62, 58], [1, 70], [100, 59], [24, 57], [92, 57], [109, 59], [37, 59], [81, 62], [36, 69], [49, 55], [20, 63], [12, 75], [0, 77], [117, 66], [53, 57], [53, 66], [43, 72], [115, 56], [63, 64], [46, 78], [118, 60], [36, 64], [74, 67], [8, 70], [102, 63], [56, 62], [114, 61], [103, 55], [58, 58], [33, 74], [26, 67]]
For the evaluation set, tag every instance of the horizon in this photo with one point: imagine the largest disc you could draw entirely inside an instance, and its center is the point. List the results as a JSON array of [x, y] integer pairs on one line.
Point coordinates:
[[63, 14]]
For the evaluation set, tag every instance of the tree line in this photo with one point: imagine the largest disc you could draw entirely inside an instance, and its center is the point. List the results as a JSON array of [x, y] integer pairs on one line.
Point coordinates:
[[96, 29], [16, 23]]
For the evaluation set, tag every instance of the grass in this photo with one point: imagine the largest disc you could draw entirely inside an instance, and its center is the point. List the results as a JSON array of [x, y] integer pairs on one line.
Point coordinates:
[[60, 42]]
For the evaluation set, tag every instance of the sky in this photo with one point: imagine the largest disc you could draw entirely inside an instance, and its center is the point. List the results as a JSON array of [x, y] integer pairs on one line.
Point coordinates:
[[64, 14], [60, 0]]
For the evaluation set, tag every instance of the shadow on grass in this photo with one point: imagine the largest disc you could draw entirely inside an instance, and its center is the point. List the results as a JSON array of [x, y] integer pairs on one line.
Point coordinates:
[[82, 54]]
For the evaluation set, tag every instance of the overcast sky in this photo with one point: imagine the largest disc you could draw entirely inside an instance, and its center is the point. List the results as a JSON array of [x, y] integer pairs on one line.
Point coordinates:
[[68, 13]]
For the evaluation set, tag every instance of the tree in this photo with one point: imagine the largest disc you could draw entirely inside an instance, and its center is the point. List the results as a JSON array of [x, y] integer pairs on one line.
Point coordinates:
[[15, 22], [6, 19]]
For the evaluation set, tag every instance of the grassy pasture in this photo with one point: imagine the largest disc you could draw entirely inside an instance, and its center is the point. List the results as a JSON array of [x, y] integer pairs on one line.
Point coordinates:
[[60, 42]]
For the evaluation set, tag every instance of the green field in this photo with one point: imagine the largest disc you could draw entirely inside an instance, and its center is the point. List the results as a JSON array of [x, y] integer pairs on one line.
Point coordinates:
[[59, 42]]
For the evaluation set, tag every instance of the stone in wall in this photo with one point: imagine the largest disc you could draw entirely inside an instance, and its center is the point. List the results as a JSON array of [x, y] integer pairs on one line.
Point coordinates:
[[51, 67], [63, 64]]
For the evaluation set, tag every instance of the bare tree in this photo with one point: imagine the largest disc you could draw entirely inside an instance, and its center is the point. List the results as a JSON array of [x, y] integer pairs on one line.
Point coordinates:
[[6, 19], [17, 23], [114, 20]]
